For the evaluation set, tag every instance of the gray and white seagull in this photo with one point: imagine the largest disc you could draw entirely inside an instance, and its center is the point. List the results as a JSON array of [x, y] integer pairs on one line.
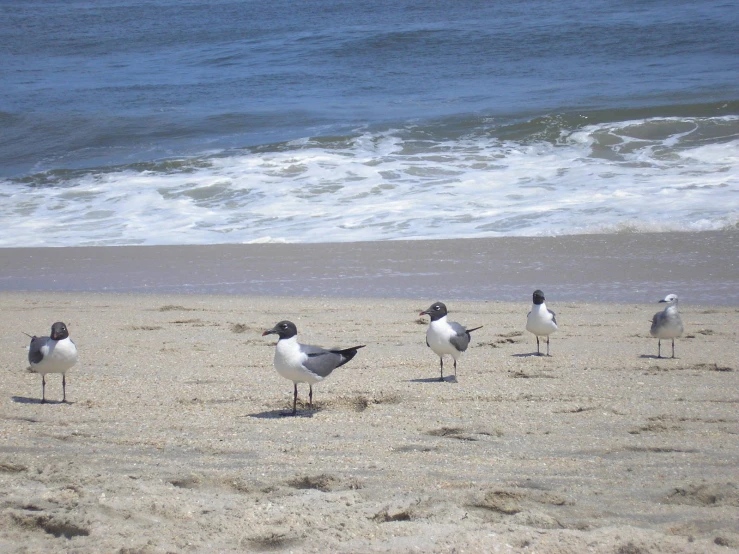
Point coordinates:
[[667, 324], [303, 363], [446, 337], [54, 354], [540, 321]]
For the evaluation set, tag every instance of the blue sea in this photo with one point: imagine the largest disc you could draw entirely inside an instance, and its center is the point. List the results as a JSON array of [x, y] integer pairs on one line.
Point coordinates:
[[127, 122]]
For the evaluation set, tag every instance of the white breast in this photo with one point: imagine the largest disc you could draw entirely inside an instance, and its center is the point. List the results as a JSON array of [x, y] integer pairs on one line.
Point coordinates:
[[59, 356], [289, 362], [438, 335], [670, 325], [540, 321]]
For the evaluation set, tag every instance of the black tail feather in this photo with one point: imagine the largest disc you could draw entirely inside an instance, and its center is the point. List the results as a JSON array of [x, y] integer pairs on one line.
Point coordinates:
[[348, 353]]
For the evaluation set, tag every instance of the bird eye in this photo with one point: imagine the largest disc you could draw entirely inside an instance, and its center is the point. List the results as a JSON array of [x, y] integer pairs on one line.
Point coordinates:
[[284, 325], [437, 308]]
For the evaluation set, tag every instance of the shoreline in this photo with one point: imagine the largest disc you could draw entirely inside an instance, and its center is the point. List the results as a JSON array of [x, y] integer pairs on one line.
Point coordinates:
[[700, 267]]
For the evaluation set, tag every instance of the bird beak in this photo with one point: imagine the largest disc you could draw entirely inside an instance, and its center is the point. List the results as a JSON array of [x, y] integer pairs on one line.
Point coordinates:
[[270, 332], [661, 301], [424, 313]]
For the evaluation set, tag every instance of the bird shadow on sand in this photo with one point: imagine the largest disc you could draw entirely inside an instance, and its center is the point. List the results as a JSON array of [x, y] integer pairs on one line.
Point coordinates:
[[279, 414], [653, 357], [448, 379], [529, 355], [27, 400]]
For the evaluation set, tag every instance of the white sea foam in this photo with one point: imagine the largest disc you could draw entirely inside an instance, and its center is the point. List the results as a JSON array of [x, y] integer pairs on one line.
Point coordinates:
[[663, 174]]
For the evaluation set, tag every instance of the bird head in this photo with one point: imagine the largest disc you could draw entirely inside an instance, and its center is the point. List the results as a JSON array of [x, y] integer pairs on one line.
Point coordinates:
[[284, 329], [670, 299], [59, 331], [437, 310], [538, 297]]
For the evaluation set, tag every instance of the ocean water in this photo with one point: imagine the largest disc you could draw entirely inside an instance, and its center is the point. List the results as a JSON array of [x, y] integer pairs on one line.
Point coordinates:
[[182, 122]]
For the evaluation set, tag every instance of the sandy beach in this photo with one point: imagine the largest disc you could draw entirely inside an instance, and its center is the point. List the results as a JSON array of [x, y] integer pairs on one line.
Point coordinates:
[[701, 268], [178, 177], [173, 439]]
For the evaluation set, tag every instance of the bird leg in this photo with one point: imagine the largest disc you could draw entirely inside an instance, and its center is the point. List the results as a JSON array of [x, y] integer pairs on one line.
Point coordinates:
[[547, 345], [295, 398], [537, 346], [310, 396], [43, 388], [455, 367], [659, 348], [64, 387], [441, 363], [673, 348]]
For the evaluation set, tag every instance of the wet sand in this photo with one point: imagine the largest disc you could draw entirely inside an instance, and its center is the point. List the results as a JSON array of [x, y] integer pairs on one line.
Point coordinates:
[[173, 440], [642, 267]]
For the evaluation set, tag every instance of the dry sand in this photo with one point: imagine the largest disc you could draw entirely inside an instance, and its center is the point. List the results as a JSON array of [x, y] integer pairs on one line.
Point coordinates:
[[173, 440]]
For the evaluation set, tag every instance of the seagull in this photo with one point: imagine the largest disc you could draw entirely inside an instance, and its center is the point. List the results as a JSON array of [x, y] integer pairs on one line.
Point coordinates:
[[444, 337], [667, 324], [302, 363], [54, 354], [540, 321]]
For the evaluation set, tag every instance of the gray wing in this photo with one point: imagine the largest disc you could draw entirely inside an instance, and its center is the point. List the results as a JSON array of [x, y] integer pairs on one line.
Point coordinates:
[[554, 319], [321, 361], [461, 339], [34, 351], [657, 322]]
